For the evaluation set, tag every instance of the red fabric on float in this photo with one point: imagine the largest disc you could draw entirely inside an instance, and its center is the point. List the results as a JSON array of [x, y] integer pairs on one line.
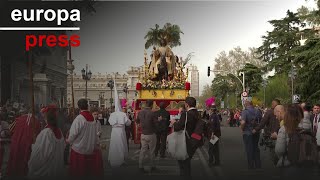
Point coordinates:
[[20, 148]]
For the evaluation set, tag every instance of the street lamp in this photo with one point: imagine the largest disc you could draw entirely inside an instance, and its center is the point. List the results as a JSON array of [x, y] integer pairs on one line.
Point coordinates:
[[86, 76], [101, 97], [125, 90], [111, 85], [71, 68], [240, 74], [292, 74]]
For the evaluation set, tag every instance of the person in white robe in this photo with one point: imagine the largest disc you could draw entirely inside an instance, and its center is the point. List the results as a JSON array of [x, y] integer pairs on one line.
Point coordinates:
[[84, 156], [47, 155], [118, 149]]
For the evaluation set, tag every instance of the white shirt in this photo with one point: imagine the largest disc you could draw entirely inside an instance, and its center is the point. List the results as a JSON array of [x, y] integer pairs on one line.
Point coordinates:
[[83, 135], [47, 157]]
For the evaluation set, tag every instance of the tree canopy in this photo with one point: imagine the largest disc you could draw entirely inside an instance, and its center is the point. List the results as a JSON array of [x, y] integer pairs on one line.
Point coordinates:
[[168, 35], [277, 44]]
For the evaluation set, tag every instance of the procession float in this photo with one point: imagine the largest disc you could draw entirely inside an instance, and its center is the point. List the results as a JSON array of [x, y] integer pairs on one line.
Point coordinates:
[[163, 79]]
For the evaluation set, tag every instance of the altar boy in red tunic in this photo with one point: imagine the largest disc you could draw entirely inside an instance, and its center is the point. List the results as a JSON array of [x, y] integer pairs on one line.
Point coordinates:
[[21, 142], [83, 139]]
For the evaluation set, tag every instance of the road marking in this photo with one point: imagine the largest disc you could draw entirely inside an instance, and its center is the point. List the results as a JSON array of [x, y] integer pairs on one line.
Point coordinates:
[[204, 163], [217, 170]]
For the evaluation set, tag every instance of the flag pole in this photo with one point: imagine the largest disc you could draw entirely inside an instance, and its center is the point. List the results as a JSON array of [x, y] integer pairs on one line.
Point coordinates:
[[32, 96]]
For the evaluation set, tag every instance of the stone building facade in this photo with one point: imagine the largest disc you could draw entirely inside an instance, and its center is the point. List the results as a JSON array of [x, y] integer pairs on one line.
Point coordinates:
[[99, 93], [194, 80], [49, 76]]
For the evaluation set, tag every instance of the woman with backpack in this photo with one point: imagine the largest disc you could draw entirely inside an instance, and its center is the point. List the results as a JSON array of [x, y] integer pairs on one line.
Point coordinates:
[[295, 147]]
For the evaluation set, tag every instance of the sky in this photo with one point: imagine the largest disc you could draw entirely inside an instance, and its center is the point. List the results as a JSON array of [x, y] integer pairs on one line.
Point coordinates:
[[112, 39]]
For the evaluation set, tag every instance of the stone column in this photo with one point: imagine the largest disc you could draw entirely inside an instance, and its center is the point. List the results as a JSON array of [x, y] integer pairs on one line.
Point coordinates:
[[42, 94]]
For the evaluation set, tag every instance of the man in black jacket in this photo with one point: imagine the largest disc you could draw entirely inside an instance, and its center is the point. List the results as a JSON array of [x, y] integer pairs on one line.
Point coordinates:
[[269, 122], [193, 133], [162, 129]]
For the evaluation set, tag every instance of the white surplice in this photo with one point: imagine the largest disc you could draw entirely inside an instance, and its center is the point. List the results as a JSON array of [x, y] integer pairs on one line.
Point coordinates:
[[83, 135], [118, 150], [47, 156]]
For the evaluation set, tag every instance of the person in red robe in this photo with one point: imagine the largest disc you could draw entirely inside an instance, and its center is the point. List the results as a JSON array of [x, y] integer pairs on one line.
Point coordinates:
[[21, 143], [85, 159]]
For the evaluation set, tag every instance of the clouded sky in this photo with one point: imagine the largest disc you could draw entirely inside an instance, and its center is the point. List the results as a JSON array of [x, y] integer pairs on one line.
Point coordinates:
[[113, 38]]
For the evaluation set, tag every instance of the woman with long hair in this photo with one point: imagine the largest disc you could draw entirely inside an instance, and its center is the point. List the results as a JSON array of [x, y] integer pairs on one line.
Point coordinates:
[[285, 140]]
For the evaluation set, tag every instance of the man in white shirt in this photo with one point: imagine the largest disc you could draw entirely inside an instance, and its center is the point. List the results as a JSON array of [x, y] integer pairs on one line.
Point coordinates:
[[83, 139]]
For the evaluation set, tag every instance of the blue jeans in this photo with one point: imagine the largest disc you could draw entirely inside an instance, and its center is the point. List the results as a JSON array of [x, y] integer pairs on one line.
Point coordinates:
[[251, 143]]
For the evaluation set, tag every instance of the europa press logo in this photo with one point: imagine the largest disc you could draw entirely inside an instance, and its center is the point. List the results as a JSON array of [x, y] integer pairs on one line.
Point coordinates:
[[43, 16]]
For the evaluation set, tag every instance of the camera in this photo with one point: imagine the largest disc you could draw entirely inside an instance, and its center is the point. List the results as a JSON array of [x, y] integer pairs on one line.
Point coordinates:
[[267, 142]]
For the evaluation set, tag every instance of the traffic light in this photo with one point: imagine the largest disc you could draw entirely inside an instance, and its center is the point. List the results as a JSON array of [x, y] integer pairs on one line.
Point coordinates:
[[208, 71]]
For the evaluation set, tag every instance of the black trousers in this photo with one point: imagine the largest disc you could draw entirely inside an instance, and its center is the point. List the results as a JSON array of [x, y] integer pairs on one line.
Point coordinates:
[[185, 165], [101, 121], [161, 143], [251, 143], [214, 153], [66, 154]]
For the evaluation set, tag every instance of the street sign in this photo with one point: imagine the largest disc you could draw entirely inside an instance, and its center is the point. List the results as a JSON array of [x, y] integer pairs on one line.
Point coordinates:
[[244, 94]]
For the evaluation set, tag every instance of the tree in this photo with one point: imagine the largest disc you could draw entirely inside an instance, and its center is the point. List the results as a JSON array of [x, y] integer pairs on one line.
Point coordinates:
[[168, 35], [221, 85], [253, 77], [277, 44], [206, 93], [235, 60], [311, 16], [308, 78], [307, 57], [277, 87]]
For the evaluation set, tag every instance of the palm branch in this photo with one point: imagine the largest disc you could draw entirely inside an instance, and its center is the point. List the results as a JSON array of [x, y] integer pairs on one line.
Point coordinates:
[[188, 58]]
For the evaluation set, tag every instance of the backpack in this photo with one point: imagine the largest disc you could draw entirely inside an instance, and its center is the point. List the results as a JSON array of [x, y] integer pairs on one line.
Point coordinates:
[[302, 148]]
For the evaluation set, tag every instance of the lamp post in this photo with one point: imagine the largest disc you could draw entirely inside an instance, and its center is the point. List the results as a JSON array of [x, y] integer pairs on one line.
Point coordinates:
[[101, 97], [70, 67], [111, 85], [125, 90], [292, 74], [86, 76], [240, 74]]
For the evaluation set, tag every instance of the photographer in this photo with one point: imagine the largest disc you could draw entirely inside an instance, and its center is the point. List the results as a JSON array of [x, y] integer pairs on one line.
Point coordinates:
[[270, 124]]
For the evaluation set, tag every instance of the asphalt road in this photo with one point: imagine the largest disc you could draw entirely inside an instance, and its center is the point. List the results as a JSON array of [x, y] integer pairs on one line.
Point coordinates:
[[233, 160]]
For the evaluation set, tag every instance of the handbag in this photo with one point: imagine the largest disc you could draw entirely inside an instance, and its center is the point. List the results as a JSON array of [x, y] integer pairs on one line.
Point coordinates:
[[176, 143]]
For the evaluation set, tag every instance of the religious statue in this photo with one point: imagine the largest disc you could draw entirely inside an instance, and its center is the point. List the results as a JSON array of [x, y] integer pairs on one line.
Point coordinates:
[[162, 64]]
